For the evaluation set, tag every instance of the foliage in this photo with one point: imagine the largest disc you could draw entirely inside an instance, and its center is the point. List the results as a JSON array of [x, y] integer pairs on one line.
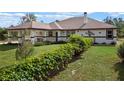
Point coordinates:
[[43, 66], [3, 33], [83, 42], [120, 51], [24, 50], [118, 22], [29, 17]]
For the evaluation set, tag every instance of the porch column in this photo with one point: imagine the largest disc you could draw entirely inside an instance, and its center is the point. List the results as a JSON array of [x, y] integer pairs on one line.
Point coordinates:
[[33, 38], [45, 34], [59, 36], [9, 36], [76, 32], [19, 36]]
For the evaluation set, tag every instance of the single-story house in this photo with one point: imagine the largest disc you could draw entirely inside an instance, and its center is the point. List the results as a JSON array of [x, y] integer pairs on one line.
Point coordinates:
[[60, 30]]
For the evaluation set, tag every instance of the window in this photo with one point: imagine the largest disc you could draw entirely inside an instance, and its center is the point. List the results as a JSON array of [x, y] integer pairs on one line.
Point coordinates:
[[109, 33], [62, 33], [50, 33], [39, 39], [70, 32], [40, 33]]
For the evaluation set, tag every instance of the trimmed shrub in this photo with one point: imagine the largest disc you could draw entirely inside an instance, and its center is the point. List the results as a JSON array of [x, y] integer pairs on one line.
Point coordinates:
[[41, 67], [59, 42], [46, 64], [120, 51], [82, 41]]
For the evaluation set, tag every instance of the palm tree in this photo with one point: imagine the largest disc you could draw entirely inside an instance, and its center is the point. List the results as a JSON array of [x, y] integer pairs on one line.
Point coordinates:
[[29, 17]]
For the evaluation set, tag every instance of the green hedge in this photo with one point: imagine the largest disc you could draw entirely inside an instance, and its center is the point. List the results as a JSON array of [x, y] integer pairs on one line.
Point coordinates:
[[46, 64], [82, 41], [120, 51]]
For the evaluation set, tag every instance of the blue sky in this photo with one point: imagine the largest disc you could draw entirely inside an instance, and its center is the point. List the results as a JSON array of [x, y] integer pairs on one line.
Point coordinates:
[[13, 18]]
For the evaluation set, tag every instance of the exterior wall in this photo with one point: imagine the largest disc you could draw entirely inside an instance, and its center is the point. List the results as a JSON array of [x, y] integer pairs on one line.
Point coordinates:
[[62, 36], [32, 36], [39, 34], [51, 38], [103, 40], [99, 35], [9, 36], [42, 35]]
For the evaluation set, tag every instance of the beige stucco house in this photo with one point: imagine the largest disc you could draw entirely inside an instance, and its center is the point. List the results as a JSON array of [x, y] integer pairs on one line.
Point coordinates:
[[60, 30]]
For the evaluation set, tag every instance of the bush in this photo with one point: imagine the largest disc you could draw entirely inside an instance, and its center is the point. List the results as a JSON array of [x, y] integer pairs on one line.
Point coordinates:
[[24, 50], [3, 34], [104, 43], [113, 43], [43, 66], [120, 51], [59, 42], [46, 64], [82, 41]]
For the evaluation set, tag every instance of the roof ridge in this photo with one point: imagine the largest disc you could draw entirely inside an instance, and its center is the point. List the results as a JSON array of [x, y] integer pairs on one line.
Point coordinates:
[[58, 25]]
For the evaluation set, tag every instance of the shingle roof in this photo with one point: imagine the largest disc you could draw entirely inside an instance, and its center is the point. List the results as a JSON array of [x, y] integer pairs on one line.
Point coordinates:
[[78, 23], [67, 24], [31, 25]]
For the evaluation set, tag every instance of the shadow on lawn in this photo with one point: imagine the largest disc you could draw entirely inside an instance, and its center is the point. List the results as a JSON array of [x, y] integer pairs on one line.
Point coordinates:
[[54, 73], [6, 47], [119, 67]]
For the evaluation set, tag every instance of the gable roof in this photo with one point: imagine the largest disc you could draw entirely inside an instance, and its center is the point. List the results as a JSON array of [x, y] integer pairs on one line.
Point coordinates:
[[67, 24], [78, 23]]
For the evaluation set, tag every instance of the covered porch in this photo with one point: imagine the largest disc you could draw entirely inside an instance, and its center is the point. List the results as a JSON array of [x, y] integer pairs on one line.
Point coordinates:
[[37, 32]]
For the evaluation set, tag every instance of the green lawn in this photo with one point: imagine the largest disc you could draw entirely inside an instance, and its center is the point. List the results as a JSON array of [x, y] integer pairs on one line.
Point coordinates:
[[7, 53], [98, 63], [46, 48]]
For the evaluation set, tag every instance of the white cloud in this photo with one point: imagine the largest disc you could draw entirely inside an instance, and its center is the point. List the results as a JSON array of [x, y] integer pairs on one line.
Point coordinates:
[[53, 17], [7, 19], [60, 15], [12, 14]]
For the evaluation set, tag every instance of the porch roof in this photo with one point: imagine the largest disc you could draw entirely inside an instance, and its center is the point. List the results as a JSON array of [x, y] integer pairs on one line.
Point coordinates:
[[30, 25]]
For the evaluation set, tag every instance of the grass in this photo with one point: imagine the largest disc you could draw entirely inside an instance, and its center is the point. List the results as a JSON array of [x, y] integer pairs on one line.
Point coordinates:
[[98, 63], [46, 48], [7, 53]]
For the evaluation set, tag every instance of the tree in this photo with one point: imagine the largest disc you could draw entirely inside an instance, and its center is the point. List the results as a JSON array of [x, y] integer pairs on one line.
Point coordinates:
[[24, 50], [118, 22], [108, 20], [3, 34], [29, 17]]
